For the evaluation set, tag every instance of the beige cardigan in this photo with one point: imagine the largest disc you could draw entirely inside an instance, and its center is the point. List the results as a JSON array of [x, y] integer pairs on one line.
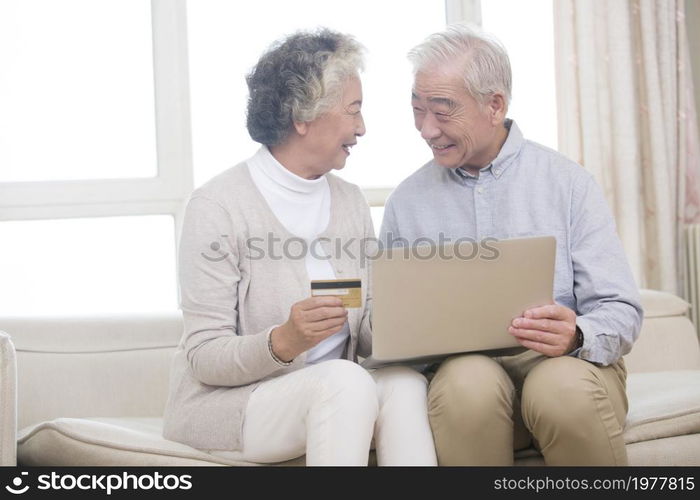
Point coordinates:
[[232, 296]]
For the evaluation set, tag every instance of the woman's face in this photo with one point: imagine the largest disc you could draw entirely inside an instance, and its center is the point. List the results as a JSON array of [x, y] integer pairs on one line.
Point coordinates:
[[331, 135]]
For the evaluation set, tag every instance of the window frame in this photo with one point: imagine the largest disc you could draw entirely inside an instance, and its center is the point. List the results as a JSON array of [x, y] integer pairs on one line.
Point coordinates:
[[167, 192], [163, 194]]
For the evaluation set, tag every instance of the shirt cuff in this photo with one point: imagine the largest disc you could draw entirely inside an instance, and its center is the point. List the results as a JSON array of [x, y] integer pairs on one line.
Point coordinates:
[[583, 351]]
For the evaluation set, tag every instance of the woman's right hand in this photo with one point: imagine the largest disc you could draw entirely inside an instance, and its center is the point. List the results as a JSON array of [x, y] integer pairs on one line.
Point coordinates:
[[310, 321]]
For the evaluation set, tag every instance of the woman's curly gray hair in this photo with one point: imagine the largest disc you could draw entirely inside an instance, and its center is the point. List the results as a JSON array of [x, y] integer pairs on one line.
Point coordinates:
[[298, 79]]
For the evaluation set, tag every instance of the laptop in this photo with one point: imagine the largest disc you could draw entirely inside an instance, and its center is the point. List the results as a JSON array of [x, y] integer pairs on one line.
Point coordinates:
[[433, 301]]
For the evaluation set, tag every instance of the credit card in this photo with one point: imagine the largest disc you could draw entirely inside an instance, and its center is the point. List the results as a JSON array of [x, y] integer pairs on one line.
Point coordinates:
[[349, 291]]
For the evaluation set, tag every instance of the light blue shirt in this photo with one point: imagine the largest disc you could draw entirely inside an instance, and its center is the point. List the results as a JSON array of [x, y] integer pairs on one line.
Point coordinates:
[[531, 190]]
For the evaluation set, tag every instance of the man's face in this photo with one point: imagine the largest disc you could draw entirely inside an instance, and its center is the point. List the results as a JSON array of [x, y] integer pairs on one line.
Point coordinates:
[[460, 131], [331, 135]]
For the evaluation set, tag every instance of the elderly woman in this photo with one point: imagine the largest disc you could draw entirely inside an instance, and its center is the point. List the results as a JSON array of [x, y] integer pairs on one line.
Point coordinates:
[[265, 372]]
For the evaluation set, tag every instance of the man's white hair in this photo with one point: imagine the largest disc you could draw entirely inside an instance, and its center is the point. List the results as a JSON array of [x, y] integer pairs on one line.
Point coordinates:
[[481, 57]]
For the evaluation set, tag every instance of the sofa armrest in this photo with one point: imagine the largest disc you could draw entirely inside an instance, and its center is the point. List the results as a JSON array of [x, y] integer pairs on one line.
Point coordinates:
[[668, 340], [8, 402], [657, 304]]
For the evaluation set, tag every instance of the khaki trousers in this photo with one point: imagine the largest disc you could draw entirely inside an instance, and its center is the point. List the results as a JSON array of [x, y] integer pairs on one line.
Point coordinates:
[[481, 409]]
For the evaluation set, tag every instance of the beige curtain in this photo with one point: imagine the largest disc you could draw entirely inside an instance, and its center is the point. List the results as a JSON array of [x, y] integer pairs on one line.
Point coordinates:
[[627, 114]]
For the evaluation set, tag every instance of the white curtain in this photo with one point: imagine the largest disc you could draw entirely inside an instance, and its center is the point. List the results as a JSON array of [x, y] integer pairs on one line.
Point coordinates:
[[627, 114]]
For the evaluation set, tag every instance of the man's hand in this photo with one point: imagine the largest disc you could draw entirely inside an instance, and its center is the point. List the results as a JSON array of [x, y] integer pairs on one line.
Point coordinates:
[[550, 330]]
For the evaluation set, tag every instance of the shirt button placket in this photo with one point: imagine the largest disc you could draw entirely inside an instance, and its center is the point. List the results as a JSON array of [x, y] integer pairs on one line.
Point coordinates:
[[479, 208]]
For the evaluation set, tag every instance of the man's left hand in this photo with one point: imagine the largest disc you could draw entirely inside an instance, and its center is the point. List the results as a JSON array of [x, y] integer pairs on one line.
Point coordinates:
[[549, 330]]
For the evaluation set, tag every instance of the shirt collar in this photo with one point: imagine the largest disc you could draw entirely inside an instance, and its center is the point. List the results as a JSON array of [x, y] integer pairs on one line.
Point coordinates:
[[509, 151]]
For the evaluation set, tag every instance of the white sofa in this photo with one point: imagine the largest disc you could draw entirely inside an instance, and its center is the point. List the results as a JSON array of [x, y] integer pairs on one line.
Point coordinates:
[[91, 391]]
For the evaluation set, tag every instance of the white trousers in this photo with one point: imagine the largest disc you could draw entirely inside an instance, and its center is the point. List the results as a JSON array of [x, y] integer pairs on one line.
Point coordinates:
[[331, 411]]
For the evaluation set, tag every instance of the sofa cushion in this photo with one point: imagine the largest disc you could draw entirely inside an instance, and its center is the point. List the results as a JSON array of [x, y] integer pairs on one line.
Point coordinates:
[[657, 304], [112, 441], [662, 404]]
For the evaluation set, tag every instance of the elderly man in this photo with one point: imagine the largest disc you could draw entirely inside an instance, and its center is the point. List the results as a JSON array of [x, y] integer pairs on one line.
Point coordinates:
[[567, 390]]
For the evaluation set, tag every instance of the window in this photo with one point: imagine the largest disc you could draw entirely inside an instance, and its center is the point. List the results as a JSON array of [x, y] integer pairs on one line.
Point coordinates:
[[527, 31], [94, 154], [76, 97], [96, 265], [225, 44]]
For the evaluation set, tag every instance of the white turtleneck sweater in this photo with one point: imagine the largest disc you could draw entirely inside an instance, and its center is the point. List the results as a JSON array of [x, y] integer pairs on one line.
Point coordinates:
[[303, 207]]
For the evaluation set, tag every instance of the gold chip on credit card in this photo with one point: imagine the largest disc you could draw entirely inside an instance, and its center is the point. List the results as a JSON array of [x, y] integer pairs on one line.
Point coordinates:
[[349, 291]]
